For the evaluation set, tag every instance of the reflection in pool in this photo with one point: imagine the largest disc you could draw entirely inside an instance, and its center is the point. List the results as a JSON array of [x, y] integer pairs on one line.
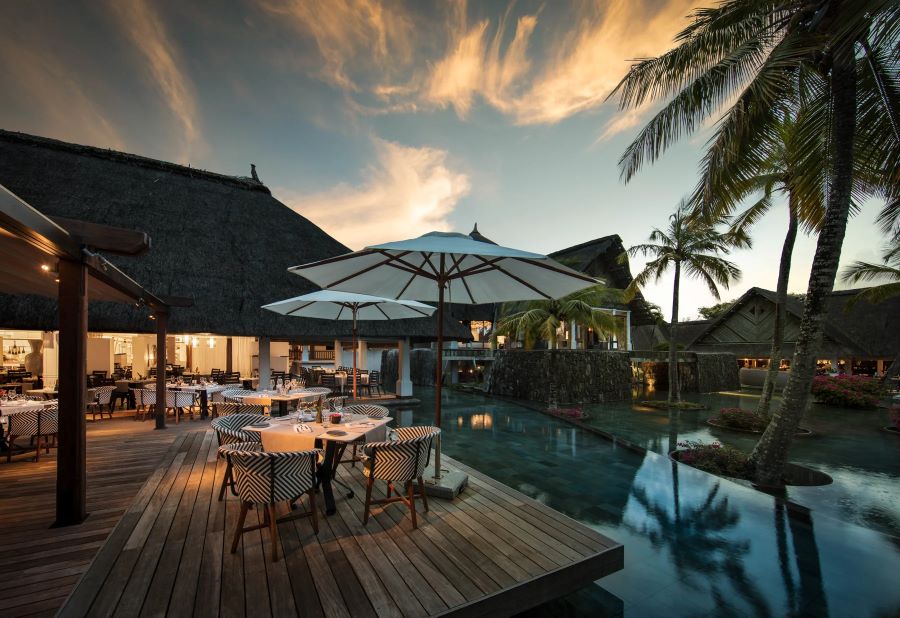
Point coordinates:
[[694, 544]]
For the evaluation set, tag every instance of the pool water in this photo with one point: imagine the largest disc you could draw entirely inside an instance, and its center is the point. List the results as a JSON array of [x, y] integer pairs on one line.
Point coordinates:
[[694, 544]]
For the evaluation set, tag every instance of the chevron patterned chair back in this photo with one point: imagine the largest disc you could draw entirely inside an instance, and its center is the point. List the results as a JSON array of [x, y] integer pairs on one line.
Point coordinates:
[[230, 431], [266, 479], [230, 408], [319, 390], [399, 461], [369, 409], [37, 425]]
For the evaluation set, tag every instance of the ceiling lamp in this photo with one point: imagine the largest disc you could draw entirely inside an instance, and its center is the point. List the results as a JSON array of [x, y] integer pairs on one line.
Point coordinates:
[[212, 342], [194, 342]]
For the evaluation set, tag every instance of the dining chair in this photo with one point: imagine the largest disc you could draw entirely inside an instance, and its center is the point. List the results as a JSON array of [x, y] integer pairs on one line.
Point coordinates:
[[37, 425], [266, 479], [101, 402], [372, 411], [229, 408], [148, 400], [399, 461], [230, 430], [375, 382]]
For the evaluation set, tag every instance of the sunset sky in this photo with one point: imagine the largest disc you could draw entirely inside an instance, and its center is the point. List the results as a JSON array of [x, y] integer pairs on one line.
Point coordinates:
[[382, 120]]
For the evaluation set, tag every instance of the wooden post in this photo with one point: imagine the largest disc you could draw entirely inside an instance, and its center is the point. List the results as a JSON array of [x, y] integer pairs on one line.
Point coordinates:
[[189, 353], [162, 318], [265, 359], [71, 473], [228, 354]]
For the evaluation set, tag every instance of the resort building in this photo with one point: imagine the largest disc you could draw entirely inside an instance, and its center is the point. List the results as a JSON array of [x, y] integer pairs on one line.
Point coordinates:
[[858, 339]]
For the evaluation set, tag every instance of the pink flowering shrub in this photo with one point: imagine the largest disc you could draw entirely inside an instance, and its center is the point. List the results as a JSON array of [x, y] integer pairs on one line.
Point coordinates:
[[573, 413], [848, 391], [714, 458], [736, 418]]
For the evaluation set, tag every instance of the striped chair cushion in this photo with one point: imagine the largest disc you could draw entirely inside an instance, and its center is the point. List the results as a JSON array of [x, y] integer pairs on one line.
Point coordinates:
[[416, 431], [400, 460], [32, 423], [265, 478], [229, 408], [230, 429], [370, 410], [318, 390], [148, 396], [138, 399], [50, 420]]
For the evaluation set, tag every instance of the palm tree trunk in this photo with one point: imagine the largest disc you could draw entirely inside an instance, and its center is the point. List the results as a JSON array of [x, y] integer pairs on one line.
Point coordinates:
[[771, 452], [784, 273], [674, 390]]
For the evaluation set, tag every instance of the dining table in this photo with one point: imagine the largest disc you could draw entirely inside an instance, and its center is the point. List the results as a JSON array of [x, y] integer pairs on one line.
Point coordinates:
[[283, 399], [286, 434]]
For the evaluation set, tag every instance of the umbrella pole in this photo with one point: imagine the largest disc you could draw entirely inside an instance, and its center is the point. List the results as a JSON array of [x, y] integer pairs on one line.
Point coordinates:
[[439, 372], [355, 344]]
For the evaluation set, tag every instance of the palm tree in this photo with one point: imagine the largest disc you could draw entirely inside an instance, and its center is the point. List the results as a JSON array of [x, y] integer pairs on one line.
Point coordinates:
[[781, 164], [763, 55], [540, 319], [690, 244]]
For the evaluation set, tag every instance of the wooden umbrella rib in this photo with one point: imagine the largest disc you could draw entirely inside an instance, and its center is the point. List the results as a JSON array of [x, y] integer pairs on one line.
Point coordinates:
[[478, 268], [301, 307], [407, 266], [550, 267], [468, 291], [377, 306], [411, 279]]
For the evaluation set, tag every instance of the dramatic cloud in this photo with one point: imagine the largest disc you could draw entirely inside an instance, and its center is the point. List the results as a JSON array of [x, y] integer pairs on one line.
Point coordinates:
[[407, 192], [583, 53], [141, 23]]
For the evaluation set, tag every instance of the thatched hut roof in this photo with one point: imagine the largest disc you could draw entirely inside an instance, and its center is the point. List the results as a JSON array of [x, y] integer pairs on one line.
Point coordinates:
[[222, 240], [864, 331]]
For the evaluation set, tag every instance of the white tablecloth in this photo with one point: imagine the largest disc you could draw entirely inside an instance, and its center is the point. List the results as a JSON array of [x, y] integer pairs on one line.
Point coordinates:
[[282, 436]]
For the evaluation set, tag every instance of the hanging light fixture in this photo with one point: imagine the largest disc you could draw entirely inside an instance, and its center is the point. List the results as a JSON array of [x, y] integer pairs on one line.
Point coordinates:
[[212, 342], [194, 342]]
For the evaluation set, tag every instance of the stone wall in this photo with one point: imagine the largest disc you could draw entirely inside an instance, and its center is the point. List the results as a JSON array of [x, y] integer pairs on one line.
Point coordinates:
[[421, 367], [717, 372], [560, 376]]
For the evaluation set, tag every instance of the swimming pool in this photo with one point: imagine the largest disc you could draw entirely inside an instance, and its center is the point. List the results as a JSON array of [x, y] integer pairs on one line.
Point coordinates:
[[694, 544]]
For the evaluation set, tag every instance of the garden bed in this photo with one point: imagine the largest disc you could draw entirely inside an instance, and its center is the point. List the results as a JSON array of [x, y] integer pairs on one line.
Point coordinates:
[[675, 405], [573, 414], [745, 421], [802, 432], [731, 463]]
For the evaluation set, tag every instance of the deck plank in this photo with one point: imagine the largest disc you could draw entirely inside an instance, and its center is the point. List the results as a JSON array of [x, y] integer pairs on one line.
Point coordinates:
[[159, 544]]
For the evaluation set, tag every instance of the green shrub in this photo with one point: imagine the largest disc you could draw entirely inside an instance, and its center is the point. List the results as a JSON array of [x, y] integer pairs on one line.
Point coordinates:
[[736, 418]]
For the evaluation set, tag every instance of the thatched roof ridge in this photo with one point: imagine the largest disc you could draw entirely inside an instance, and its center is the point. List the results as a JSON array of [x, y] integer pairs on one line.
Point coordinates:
[[223, 241], [245, 182]]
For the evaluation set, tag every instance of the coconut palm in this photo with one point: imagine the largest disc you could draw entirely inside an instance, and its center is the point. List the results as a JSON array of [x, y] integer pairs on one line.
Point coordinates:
[[690, 244], [540, 319], [781, 164], [839, 59]]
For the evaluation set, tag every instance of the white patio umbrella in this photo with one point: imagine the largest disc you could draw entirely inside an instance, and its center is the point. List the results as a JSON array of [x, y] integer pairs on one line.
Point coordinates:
[[440, 264], [337, 305]]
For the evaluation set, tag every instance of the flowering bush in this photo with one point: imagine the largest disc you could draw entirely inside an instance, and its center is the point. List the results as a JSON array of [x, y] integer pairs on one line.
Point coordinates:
[[848, 391], [714, 458], [736, 418], [573, 413]]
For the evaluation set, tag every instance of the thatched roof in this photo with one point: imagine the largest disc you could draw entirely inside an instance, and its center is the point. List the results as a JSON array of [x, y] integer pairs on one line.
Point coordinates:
[[222, 240], [864, 331], [650, 336], [600, 258]]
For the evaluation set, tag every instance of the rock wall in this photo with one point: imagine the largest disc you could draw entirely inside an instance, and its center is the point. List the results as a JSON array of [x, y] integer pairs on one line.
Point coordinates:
[[421, 367], [717, 372], [560, 377]]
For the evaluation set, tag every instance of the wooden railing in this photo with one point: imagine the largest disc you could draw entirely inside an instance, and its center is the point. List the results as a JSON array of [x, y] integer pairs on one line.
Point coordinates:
[[321, 355]]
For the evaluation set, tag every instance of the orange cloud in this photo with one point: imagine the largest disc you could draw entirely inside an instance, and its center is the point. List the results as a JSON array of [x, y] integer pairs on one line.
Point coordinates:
[[581, 57], [408, 191]]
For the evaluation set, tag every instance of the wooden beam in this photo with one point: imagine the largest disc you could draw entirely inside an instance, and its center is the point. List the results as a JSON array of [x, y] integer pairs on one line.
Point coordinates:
[[109, 238], [70, 469], [228, 350], [162, 319]]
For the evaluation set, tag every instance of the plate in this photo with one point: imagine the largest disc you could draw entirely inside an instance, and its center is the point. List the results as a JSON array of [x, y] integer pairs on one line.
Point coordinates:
[[259, 424], [336, 432]]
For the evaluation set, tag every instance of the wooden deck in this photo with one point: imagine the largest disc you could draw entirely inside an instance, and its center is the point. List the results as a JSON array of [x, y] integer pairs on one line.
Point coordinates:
[[40, 565], [492, 551]]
